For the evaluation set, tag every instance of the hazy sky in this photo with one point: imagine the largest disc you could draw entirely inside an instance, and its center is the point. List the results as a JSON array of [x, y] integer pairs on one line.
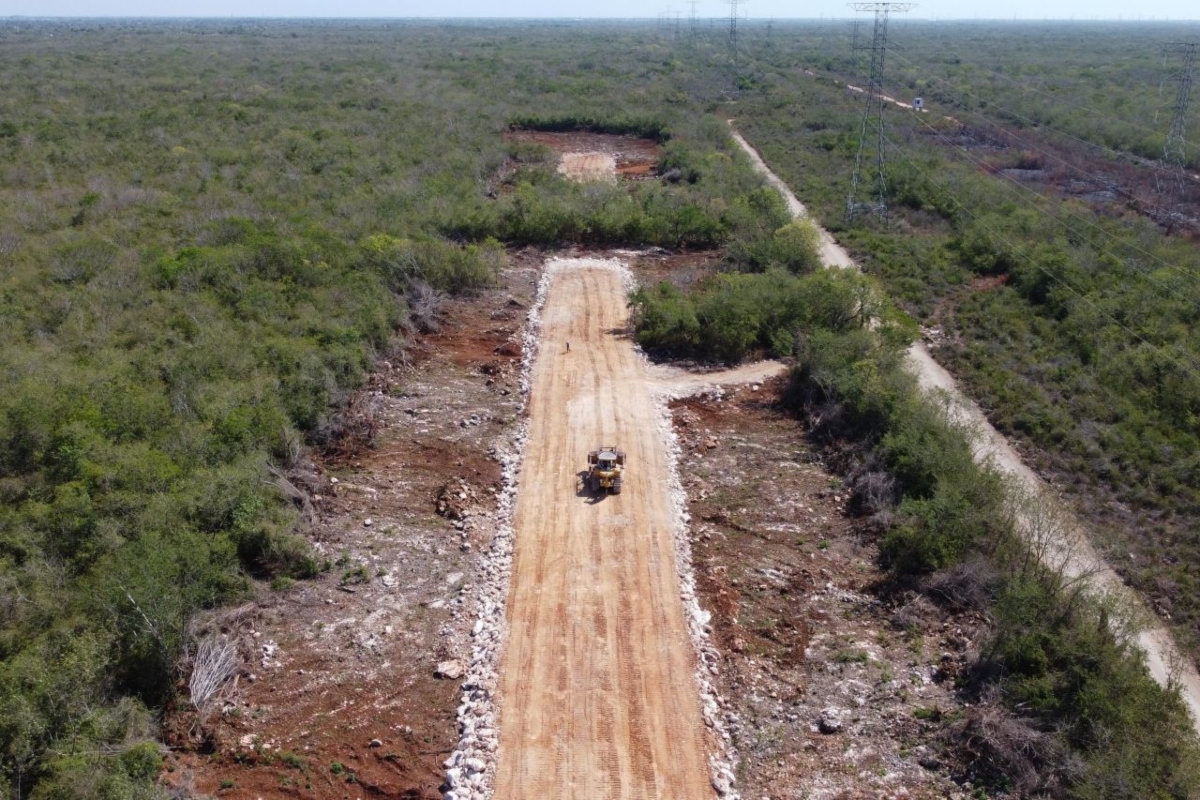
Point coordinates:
[[756, 9]]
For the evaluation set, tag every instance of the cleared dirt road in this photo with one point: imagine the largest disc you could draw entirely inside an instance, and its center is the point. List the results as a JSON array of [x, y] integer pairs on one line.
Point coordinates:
[[598, 695]]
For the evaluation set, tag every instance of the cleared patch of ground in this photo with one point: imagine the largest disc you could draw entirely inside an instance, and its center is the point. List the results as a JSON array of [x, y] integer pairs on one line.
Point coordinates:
[[588, 167], [597, 699], [837, 686], [633, 158], [349, 683], [338, 695]]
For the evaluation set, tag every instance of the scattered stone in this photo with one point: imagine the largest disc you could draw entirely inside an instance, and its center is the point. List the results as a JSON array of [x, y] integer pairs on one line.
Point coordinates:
[[833, 720], [375, 743], [450, 670]]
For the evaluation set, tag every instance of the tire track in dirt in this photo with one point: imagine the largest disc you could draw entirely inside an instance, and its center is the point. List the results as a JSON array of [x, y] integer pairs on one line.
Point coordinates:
[[1061, 541], [598, 695]]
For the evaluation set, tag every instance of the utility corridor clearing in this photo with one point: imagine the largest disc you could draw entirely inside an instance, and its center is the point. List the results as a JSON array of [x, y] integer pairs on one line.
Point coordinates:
[[598, 697]]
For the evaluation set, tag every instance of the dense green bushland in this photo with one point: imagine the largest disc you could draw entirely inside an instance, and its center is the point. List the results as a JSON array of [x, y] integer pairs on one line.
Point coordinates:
[[1073, 323], [1084, 718], [736, 313], [207, 234], [1087, 720]]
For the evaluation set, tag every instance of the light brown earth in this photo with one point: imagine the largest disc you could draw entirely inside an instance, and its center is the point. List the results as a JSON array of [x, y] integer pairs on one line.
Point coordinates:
[[634, 158], [589, 167], [598, 697]]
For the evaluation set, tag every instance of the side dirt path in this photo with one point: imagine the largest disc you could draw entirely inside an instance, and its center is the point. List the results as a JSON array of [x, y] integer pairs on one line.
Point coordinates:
[[598, 690], [1064, 541]]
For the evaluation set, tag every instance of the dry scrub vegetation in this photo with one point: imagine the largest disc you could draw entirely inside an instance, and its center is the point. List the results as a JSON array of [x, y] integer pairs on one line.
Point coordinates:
[[210, 233]]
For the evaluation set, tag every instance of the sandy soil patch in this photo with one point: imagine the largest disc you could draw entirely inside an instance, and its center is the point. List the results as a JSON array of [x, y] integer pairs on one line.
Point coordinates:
[[589, 167], [598, 695]]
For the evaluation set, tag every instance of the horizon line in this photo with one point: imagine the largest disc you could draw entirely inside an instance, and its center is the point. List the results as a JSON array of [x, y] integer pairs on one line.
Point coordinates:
[[575, 18]]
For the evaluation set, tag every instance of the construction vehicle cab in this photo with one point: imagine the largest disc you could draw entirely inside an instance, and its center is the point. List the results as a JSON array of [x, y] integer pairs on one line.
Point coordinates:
[[606, 466]]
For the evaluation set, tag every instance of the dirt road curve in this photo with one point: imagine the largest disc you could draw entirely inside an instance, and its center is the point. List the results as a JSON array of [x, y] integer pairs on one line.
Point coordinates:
[[598, 696], [1071, 551]]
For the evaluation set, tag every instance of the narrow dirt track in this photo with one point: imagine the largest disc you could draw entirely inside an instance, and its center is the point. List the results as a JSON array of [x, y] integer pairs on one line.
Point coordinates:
[[598, 695], [1072, 552]]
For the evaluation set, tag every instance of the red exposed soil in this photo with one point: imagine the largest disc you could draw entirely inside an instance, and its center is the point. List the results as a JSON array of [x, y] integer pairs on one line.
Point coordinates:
[[798, 612], [1117, 184], [338, 697], [636, 158]]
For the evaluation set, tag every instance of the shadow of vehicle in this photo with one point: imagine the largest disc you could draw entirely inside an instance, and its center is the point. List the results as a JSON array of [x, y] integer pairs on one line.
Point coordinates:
[[583, 490]]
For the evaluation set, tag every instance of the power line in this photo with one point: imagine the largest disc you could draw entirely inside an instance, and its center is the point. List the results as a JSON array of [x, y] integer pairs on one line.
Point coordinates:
[[733, 42], [1047, 271], [1108, 184], [1174, 160], [873, 114], [1059, 280]]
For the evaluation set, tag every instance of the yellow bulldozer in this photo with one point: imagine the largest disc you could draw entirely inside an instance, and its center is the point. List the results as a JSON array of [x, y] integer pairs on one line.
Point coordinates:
[[606, 467]]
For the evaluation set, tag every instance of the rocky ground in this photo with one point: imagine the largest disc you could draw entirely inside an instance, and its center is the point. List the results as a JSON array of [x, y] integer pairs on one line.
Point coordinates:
[[837, 686], [349, 682]]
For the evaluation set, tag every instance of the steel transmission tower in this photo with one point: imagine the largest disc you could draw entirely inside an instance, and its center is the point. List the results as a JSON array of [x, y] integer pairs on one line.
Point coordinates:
[[733, 40], [1174, 158], [873, 115]]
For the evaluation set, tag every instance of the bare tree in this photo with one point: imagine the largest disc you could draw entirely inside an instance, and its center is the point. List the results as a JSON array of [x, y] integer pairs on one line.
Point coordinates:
[[215, 661]]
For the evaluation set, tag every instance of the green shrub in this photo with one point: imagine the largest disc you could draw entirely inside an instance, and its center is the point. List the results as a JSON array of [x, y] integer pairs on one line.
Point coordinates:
[[1056, 659], [142, 761], [732, 315]]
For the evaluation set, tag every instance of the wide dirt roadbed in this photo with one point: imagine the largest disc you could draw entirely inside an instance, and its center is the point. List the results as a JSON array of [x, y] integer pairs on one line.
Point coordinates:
[[598, 696]]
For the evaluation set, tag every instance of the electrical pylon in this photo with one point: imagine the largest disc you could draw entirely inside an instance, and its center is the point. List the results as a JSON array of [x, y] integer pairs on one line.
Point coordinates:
[[733, 40], [873, 115], [1174, 158]]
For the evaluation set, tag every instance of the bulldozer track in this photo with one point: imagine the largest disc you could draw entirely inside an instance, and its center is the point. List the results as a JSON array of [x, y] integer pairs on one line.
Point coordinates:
[[597, 692]]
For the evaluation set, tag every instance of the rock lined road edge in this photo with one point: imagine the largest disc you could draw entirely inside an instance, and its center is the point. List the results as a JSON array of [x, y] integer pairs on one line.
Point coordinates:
[[1074, 552], [723, 761], [470, 768]]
